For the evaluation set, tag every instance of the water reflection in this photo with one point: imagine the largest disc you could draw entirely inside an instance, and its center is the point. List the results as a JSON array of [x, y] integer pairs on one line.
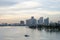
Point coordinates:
[[17, 33]]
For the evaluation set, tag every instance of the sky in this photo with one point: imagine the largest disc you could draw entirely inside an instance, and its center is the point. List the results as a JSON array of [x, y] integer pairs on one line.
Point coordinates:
[[12, 11]]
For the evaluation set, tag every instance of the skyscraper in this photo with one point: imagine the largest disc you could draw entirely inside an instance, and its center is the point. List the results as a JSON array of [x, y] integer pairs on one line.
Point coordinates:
[[40, 21], [28, 22], [22, 23], [58, 22], [31, 22], [46, 21]]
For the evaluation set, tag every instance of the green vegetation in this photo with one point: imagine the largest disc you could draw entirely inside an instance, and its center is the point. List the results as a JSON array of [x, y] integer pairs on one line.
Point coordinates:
[[50, 27]]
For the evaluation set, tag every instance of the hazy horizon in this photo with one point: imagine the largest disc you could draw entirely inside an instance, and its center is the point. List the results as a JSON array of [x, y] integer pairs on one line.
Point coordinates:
[[12, 11]]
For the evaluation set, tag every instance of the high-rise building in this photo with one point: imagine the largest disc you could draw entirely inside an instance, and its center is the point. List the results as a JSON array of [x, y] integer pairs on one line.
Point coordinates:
[[58, 22], [31, 22], [40, 21], [28, 22], [46, 21], [22, 23]]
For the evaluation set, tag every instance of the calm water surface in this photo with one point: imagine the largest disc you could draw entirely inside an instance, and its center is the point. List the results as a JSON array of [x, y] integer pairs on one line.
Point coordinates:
[[18, 32]]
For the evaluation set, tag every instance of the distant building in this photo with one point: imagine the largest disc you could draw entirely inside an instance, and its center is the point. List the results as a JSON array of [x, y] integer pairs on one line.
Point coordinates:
[[22, 23], [28, 22], [58, 22], [4, 24], [31, 22], [46, 21], [14, 24], [52, 24], [40, 21]]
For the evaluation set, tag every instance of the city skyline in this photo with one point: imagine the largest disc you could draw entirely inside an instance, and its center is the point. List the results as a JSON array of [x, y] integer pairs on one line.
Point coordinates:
[[40, 20], [12, 11], [21, 19], [31, 22]]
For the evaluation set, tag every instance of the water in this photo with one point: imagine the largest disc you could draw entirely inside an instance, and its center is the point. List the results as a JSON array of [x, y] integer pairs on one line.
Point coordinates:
[[18, 32]]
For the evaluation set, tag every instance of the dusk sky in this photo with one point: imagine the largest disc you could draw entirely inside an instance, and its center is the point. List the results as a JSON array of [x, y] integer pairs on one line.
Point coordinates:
[[15, 10]]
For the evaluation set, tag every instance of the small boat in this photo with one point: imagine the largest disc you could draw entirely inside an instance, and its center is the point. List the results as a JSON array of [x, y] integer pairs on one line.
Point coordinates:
[[26, 35]]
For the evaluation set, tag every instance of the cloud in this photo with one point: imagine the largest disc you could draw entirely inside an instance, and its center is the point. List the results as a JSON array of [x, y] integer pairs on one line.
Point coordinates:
[[29, 8], [26, 5], [53, 5], [10, 2], [6, 3]]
